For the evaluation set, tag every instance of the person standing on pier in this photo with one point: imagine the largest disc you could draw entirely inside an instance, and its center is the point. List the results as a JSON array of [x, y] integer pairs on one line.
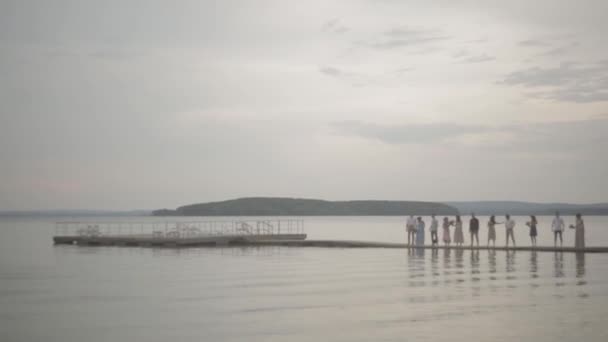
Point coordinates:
[[533, 232], [420, 232], [558, 227], [579, 232], [410, 227], [446, 231], [433, 229], [458, 234], [474, 229], [509, 225], [492, 230]]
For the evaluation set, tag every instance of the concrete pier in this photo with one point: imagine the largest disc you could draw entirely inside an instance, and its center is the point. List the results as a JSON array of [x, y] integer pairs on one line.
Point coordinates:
[[369, 244], [285, 240], [164, 241], [255, 233]]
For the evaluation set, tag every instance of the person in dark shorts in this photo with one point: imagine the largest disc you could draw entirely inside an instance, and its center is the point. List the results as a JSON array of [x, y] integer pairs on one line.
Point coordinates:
[[558, 227], [474, 229], [433, 229]]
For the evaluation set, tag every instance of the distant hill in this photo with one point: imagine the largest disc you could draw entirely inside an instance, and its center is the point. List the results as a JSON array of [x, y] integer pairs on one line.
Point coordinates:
[[528, 208], [265, 206]]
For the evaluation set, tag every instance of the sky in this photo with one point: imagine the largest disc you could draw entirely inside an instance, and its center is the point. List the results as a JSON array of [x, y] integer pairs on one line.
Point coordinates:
[[152, 104]]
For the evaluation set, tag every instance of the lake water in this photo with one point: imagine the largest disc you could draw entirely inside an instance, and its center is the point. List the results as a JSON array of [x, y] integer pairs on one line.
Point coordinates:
[[71, 293]]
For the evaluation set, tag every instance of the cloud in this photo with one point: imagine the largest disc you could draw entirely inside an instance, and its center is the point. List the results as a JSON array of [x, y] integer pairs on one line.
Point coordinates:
[[334, 26], [568, 82], [356, 79], [465, 56], [534, 43], [478, 59], [561, 50], [402, 37], [404, 134], [359, 79], [567, 139]]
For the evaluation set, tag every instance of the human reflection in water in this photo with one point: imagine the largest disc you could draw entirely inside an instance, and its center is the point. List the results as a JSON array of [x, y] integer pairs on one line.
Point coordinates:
[[580, 265], [558, 263], [434, 254], [510, 261], [475, 260], [420, 253], [492, 270], [510, 266], [492, 263], [418, 268], [533, 264], [475, 265], [459, 256], [435, 265], [447, 263]]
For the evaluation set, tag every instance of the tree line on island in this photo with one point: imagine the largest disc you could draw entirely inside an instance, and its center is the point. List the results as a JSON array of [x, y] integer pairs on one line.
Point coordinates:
[[275, 206], [280, 206]]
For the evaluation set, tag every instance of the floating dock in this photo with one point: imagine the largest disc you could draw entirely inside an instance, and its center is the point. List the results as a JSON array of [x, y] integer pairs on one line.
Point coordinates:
[[255, 233], [177, 234]]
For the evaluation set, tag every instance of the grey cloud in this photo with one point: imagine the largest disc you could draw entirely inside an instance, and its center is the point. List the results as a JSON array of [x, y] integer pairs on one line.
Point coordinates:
[[401, 37], [560, 50], [334, 26], [359, 79], [464, 56], [331, 71], [404, 134], [403, 70], [477, 41], [569, 82], [478, 59], [534, 43], [349, 76], [585, 137]]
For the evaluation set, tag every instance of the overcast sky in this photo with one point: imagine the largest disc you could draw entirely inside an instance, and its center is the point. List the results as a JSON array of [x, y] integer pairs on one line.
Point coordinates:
[[150, 104]]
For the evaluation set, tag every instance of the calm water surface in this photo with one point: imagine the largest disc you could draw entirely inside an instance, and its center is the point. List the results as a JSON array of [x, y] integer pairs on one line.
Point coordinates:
[[70, 293]]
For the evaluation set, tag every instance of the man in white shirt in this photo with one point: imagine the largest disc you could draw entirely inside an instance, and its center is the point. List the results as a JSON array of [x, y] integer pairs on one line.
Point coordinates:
[[509, 225], [433, 229], [557, 227], [410, 227]]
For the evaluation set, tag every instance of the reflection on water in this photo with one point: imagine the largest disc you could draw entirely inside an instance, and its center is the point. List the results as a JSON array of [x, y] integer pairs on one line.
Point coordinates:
[[559, 266], [302, 294], [580, 265], [427, 268], [533, 264], [69, 293]]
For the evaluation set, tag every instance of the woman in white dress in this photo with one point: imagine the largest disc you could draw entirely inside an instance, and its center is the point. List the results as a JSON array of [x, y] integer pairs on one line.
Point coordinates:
[[446, 231], [420, 232], [458, 234], [579, 232], [492, 230]]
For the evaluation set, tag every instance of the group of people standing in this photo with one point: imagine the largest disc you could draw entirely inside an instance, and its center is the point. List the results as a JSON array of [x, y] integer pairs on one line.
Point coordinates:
[[415, 228]]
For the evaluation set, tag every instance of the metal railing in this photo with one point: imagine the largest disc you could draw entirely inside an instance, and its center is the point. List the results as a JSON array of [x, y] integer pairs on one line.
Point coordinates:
[[181, 229]]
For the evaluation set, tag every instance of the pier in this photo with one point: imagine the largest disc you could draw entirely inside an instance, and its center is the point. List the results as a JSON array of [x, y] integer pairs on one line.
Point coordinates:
[[274, 232]]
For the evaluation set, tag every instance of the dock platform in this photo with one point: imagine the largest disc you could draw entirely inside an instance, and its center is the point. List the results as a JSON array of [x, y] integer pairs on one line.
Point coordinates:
[[254, 233], [177, 234]]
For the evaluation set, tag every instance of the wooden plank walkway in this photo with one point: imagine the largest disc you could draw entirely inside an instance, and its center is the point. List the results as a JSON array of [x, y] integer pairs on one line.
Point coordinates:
[[285, 240]]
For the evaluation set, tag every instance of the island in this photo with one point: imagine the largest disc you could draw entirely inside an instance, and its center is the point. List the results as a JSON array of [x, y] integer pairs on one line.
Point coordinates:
[[280, 206]]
